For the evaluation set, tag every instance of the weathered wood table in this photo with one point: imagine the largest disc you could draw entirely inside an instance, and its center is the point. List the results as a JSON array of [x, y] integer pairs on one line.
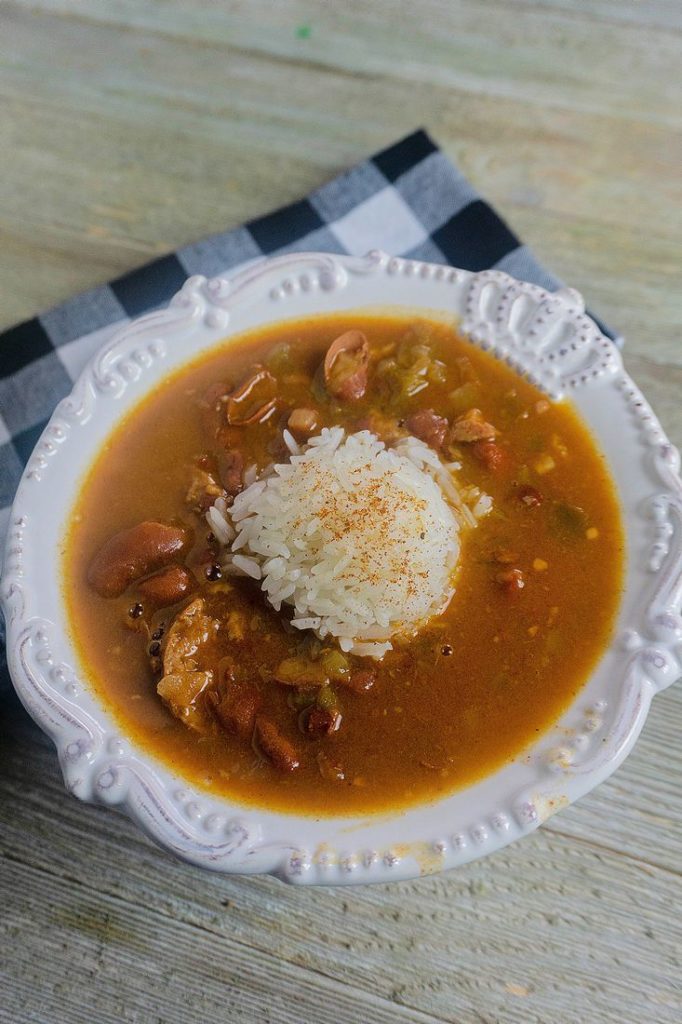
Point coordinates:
[[130, 127]]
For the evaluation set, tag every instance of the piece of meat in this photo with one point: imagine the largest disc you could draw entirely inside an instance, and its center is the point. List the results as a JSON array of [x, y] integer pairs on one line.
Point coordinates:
[[346, 366], [167, 587], [428, 427], [232, 472], [134, 553], [303, 422], [276, 748], [183, 693], [471, 426], [188, 633], [236, 708], [254, 400], [184, 682], [489, 454], [204, 487]]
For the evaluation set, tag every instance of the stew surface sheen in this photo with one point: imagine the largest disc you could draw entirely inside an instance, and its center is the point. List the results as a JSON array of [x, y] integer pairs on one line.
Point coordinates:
[[451, 705]]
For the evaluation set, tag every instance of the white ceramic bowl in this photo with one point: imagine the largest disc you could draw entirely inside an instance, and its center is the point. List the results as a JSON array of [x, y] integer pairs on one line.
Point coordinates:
[[546, 337]]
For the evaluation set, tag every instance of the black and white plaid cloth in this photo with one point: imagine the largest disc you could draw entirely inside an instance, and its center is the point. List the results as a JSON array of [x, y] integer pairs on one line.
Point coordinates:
[[409, 200]]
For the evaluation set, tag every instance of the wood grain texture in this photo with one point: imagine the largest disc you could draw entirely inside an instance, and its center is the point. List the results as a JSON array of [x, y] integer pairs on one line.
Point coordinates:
[[128, 128]]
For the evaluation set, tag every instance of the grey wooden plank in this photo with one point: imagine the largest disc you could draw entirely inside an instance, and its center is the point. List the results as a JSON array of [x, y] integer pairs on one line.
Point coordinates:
[[452, 43], [599, 202], [554, 928]]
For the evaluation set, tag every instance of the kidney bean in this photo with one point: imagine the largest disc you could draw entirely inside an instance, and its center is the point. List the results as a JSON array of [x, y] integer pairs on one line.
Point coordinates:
[[237, 708], [428, 427], [136, 552], [167, 587], [303, 422], [346, 366], [319, 722], [253, 400], [359, 681], [491, 455], [278, 750]]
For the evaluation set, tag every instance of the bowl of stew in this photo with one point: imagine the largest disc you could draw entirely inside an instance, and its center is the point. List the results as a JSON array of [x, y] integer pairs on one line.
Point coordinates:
[[346, 569]]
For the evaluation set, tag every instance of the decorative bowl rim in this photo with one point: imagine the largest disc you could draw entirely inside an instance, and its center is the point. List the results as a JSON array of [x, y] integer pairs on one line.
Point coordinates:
[[546, 337]]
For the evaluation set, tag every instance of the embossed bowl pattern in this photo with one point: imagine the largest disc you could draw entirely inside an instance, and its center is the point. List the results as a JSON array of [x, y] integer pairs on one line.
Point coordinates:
[[546, 338]]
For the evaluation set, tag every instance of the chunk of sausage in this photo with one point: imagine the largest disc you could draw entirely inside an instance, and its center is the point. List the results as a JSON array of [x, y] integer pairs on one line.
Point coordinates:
[[428, 427], [472, 427], [236, 708], [346, 366], [278, 750], [136, 552], [167, 587]]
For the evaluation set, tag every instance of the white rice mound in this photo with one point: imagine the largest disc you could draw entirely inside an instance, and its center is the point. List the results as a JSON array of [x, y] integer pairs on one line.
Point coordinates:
[[362, 540]]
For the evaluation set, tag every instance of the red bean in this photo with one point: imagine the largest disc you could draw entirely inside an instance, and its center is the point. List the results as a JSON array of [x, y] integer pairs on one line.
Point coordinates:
[[346, 366], [491, 455], [321, 722], [428, 427], [167, 587], [253, 400], [236, 710], [303, 422], [278, 750], [359, 681], [136, 552]]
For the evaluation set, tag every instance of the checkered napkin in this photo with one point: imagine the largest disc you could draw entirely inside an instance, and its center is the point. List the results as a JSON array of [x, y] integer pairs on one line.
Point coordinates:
[[409, 200]]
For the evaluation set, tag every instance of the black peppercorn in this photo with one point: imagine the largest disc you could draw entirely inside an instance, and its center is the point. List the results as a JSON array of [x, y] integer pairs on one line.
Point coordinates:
[[135, 611], [213, 572], [446, 650], [154, 649]]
